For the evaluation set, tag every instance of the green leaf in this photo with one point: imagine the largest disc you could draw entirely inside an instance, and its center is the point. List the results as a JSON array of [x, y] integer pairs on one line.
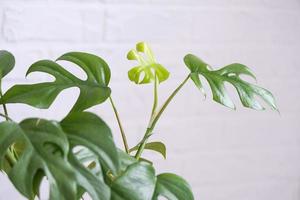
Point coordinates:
[[7, 62], [93, 90], [96, 68], [48, 152], [89, 181], [88, 130], [154, 146], [172, 187], [148, 68], [125, 160], [136, 183], [230, 74], [46, 149]]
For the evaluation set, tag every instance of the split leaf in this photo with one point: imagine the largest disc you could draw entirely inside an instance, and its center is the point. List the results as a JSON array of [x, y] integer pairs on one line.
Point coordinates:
[[230, 74], [93, 90]]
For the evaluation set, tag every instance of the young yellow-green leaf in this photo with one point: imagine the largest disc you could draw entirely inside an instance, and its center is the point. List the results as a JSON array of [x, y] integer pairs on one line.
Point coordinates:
[[230, 74], [154, 146], [172, 187], [7, 62], [148, 68], [93, 90]]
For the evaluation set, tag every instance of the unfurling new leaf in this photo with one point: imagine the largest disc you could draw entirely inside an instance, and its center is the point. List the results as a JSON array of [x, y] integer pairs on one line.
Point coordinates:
[[148, 69]]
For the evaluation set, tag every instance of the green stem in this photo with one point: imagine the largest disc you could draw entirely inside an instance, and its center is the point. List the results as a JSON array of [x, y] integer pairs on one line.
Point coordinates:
[[120, 125], [4, 106], [5, 116], [155, 100], [8, 156], [5, 110], [156, 118]]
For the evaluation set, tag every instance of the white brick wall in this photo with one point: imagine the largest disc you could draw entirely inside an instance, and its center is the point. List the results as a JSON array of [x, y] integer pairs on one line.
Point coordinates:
[[242, 155]]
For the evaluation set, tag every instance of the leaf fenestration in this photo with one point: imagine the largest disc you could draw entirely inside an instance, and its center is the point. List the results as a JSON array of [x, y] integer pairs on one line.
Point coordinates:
[[46, 149], [93, 91], [48, 152], [230, 74], [88, 130]]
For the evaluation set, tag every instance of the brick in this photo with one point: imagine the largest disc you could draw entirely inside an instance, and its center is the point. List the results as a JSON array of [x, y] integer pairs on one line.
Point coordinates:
[[143, 23], [59, 24], [267, 4], [244, 26], [201, 25]]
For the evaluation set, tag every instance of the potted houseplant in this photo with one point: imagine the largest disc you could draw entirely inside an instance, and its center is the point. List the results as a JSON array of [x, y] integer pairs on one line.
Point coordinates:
[[77, 155]]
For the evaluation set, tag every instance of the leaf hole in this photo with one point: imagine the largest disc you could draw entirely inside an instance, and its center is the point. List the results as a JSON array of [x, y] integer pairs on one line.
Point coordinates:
[[231, 74], [84, 155], [142, 76], [74, 69], [53, 149]]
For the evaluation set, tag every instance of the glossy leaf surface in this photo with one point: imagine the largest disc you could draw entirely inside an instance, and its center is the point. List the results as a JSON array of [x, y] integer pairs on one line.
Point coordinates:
[[46, 150], [229, 74], [136, 183], [148, 68], [172, 187], [93, 90], [7, 62], [88, 130]]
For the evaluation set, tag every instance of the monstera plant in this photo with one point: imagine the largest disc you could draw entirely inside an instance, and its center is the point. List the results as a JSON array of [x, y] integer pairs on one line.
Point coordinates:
[[77, 155]]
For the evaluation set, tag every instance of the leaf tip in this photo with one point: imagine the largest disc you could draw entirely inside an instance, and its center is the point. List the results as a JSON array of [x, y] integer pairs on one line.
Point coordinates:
[[140, 46], [132, 55]]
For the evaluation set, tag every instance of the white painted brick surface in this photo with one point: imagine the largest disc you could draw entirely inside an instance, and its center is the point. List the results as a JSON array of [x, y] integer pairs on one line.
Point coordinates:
[[224, 154]]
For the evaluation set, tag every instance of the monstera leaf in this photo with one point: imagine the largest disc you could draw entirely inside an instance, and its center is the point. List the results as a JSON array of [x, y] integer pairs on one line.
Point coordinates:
[[148, 69], [93, 90], [230, 74], [136, 183], [49, 151], [172, 187], [46, 149], [7, 63], [87, 129]]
